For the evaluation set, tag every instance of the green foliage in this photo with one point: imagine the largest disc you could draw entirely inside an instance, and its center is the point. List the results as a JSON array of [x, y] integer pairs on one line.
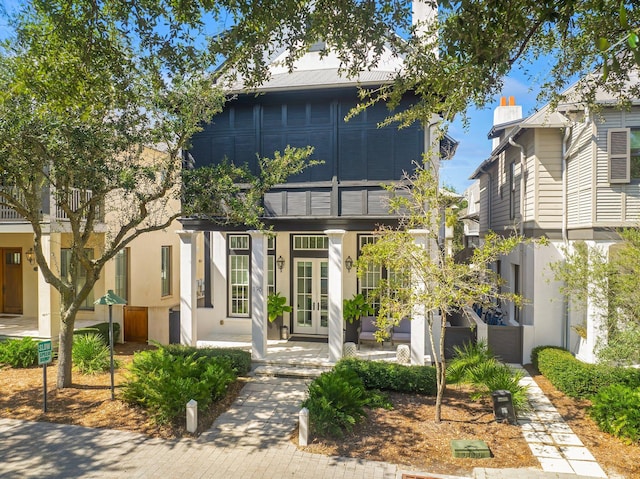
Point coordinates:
[[467, 357], [19, 353], [379, 375], [239, 360], [356, 307], [336, 402], [101, 329], [493, 376], [616, 410], [163, 383], [276, 306], [578, 379], [475, 364], [90, 354]]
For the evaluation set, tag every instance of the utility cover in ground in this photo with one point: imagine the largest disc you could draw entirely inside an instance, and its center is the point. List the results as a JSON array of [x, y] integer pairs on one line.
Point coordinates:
[[470, 448]]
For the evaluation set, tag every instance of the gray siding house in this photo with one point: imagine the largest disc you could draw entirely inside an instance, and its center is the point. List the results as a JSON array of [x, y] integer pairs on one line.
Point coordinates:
[[570, 175]]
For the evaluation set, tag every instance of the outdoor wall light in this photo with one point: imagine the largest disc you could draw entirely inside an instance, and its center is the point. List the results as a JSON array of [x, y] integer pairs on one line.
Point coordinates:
[[348, 263], [30, 255], [280, 263]]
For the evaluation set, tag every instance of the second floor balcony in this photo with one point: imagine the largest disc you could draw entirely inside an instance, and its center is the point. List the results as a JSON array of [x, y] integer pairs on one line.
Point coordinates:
[[50, 210]]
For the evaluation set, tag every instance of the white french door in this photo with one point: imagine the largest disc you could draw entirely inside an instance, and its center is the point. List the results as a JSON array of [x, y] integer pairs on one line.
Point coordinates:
[[311, 293]]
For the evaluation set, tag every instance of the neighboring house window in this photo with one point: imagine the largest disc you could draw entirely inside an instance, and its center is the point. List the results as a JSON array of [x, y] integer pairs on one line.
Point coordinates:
[[271, 265], [122, 273], [635, 153], [512, 190], [239, 275], [165, 270], [623, 145], [65, 272]]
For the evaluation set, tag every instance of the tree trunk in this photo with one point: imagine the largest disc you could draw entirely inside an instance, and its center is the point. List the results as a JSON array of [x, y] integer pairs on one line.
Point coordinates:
[[441, 371], [65, 363]]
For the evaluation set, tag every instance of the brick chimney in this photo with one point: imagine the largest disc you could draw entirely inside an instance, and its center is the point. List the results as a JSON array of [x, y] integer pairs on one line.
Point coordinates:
[[505, 113]]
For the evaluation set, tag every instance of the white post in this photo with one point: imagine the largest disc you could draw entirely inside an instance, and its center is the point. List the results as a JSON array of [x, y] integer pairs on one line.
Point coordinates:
[[47, 324], [303, 427], [259, 290], [188, 288], [418, 320], [335, 294], [192, 416]]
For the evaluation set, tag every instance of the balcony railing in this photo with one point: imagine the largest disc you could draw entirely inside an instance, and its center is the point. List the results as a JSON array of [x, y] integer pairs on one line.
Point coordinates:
[[77, 197]]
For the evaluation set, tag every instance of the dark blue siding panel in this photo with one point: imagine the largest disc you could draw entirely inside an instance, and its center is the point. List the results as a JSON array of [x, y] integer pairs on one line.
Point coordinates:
[[407, 149], [379, 154], [353, 165], [245, 151], [296, 114]]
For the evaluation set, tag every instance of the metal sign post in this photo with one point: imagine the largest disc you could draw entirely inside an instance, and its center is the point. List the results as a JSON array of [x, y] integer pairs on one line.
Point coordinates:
[[110, 299], [45, 354]]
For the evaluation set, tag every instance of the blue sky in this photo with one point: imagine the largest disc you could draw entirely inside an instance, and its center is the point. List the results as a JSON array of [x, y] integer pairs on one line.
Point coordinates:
[[474, 146]]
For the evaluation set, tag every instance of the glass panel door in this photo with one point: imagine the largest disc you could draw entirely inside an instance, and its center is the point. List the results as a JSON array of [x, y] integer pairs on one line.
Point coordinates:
[[311, 285]]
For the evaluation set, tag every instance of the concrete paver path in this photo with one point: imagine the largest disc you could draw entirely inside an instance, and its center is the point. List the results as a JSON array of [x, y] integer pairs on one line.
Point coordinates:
[[251, 440]]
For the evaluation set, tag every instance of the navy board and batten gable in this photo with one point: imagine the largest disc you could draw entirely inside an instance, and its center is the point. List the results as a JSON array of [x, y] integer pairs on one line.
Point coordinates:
[[356, 156]]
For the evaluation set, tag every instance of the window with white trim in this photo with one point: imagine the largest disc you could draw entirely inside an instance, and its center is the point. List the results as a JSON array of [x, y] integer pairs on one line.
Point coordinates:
[[65, 272], [239, 255], [634, 153], [310, 242], [122, 273], [370, 280], [165, 270], [271, 265]]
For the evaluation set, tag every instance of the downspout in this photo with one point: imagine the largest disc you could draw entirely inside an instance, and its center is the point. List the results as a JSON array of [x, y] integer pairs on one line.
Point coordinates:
[[565, 303]]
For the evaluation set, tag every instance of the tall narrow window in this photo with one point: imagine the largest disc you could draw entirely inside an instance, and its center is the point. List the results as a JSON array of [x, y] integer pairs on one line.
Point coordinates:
[[165, 270], [635, 153], [516, 290], [271, 265], [512, 190], [122, 274], [239, 275], [370, 280], [65, 272]]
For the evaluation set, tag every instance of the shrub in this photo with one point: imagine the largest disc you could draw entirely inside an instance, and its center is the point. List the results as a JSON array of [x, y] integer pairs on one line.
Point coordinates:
[[467, 357], [616, 410], [578, 379], [391, 376], [90, 355], [19, 353], [336, 402], [102, 329], [162, 382], [493, 375], [240, 360]]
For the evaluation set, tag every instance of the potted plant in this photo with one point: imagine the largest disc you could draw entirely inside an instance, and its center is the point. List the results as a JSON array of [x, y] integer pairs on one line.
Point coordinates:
[[276, 307], [352, 310]]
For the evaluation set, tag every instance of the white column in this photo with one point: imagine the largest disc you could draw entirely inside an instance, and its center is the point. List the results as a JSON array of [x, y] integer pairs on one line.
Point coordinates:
[[335, 294], [188, 288], [418, 317], [48, 319], [259, 290]]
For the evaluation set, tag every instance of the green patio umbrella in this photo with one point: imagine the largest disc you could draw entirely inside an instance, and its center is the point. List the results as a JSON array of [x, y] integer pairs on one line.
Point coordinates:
[[110, 299]]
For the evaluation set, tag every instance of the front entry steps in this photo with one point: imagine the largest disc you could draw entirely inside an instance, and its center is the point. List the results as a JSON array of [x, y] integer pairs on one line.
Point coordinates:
[[289, 370]]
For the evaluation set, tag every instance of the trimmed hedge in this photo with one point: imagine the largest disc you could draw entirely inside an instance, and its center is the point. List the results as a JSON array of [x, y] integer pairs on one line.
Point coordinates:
[[101, 329], [616, 410], [391, 376], [578, 379], [240, 360]]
